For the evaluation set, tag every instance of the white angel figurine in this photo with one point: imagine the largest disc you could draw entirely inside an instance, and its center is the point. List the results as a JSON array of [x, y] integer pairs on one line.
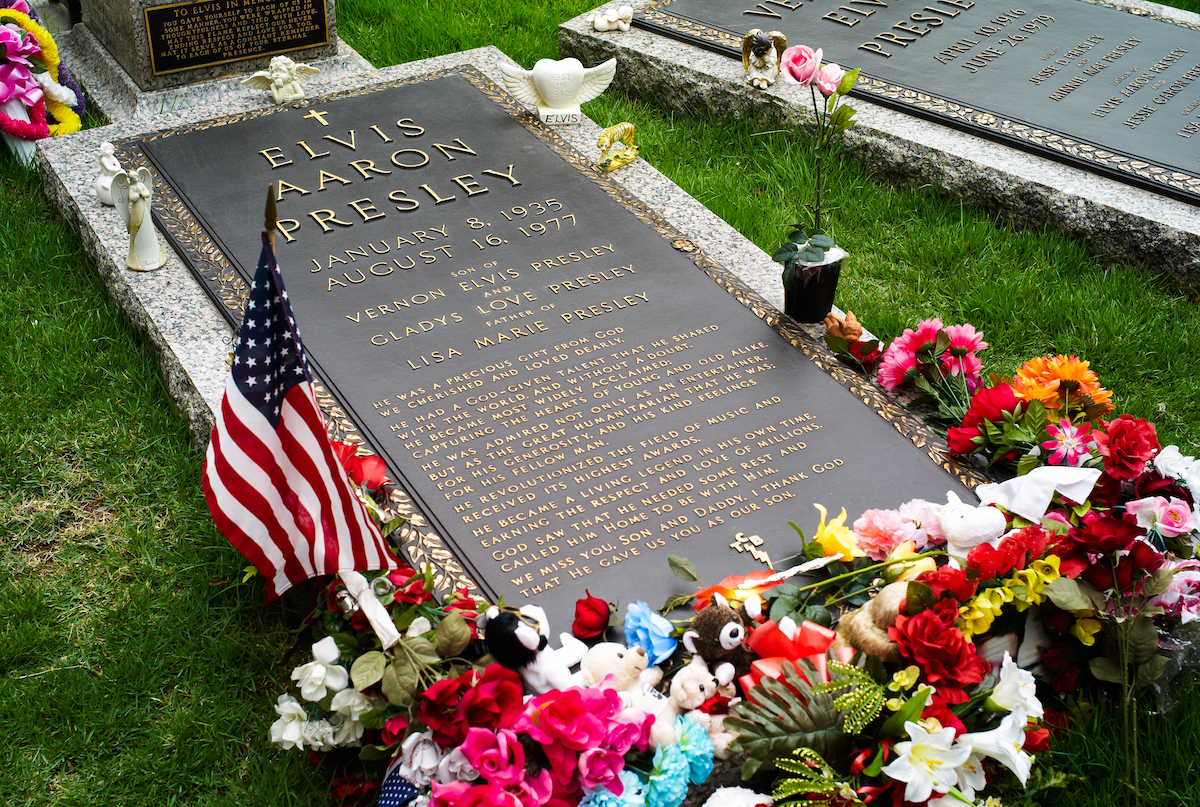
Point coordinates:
[[282, 77], [106, 157], [558, 86], [614, 19], [131, 195]]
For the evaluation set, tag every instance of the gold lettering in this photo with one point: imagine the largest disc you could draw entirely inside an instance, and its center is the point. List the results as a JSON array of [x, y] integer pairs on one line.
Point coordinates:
[[272, 158]]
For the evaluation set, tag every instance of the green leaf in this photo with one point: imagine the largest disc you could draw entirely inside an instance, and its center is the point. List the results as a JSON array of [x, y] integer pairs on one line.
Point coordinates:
[[1105, 669], [797, 235], [399, 683], [1055, 526], [1027, 463], [789, 273], [422, 650], [374, 719], [1151, 671], [782, 718], [368, 669], [1066, 594], [371, 753], [1143, 640], [910, 711], [249, 572], [848, 81], [453, 635], [1159, 582], [787, 250], [676, 601], [822, 241], [811, 254], [837, 344], [818, 614], [683, 568]]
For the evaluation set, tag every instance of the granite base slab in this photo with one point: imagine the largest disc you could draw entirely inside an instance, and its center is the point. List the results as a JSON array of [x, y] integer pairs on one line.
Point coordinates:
[[191, 337], [1119, 223], [118, 97]]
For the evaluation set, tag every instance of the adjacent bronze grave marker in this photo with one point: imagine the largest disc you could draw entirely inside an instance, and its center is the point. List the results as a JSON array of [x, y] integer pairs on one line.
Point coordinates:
[[199, 34], [566, 387], [1113, 90]]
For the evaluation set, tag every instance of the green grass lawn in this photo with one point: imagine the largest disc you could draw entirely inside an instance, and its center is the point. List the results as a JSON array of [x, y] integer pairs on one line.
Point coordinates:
[[136, 668]]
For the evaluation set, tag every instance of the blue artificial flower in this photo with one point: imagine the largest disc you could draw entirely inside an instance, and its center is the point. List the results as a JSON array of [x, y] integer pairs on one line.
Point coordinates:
[[696, 746], [649, 630], [668, 785], [631, 796]]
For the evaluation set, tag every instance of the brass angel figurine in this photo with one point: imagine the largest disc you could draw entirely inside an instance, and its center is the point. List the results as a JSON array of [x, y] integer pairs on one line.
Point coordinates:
[[761, 53]]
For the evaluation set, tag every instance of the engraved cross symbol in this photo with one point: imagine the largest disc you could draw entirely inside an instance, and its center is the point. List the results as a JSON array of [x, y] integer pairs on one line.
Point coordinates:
[[751, 544], [320, 116]]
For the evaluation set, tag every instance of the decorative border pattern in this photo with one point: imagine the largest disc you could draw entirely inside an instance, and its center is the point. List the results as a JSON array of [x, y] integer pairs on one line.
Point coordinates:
[[417, 542], [1134, 170]]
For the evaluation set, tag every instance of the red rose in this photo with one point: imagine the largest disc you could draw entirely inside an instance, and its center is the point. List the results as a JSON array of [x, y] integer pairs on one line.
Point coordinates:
[[591, 616], [1067, 680], [438, 710], [946, 610], [1055, 656], [1106, 534], [1059, 621], [948, 580], [368, 470], [492, 700], [988, 404], [462, 601], [986, 560], [1126, 445], [939, 709], [1072, 559], [1152, 483], [1037, 740], [410, 586], [1106, 493], [393, 730], [946, 659]]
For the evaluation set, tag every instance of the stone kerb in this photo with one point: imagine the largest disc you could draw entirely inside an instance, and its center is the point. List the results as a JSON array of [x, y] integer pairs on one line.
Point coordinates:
[[1119, 223]]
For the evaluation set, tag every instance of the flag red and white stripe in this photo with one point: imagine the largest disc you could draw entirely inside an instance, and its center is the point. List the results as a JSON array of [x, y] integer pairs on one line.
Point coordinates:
[[274, 486]]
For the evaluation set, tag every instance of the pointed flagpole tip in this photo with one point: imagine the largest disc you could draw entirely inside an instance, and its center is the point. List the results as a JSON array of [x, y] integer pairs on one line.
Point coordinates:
[[270, 215]]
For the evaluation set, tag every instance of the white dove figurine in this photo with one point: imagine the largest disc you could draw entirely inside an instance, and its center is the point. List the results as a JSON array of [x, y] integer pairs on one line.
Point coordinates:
[[558, 87]]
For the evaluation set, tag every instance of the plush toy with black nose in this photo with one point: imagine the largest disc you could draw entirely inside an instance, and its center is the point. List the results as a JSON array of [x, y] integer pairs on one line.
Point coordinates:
[[519, 639], [718, 635]]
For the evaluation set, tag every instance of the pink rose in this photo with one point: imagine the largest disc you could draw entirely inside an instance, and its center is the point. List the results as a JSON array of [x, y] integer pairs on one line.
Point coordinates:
[[461, 794], [829, 79], [629, 729], [800, 65], [574, 718], [498, 756], [601, 766]]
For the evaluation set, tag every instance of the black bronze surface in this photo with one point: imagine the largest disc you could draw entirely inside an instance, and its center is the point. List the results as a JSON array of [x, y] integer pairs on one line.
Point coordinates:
[[568, 389]]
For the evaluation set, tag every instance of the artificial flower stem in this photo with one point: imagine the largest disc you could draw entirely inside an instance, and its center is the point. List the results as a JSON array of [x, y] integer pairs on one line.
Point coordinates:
[[873, 567]]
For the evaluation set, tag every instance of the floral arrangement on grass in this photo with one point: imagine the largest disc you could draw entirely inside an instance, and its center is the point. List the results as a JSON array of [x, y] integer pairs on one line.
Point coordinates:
[[38, 96]]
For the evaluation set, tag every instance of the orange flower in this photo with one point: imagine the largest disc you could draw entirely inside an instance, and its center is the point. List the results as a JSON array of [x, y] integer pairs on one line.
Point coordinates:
[[1035, 389], [736, 587], [1053, 380]]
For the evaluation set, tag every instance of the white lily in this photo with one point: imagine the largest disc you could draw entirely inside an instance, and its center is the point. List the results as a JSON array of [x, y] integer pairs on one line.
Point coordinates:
[[1016, 688], [323, 673], [927, 762], [1003, 743]]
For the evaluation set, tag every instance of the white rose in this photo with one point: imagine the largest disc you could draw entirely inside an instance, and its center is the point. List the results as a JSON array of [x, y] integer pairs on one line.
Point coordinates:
[[323, 673], [288, 730], [319, 735], [419, 625], [420, 758], [454, 767], [352, 705], [1191, 478], [1171, 463], [346, 731]]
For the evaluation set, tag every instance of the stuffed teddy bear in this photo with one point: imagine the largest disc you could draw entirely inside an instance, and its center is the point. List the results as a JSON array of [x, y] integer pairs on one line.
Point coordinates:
[[519, 639], [635, 680], [690, 688], [865, 628], [718, 635]]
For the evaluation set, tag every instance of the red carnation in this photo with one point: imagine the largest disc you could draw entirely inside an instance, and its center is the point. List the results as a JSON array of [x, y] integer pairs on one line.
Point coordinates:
[[1126, 445], [946, 659], [988, 404], [591, 616]]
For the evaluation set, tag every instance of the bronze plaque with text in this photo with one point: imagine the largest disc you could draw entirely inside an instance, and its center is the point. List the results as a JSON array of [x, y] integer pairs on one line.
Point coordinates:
[[567, 388], [194, 34], [1112, 90]]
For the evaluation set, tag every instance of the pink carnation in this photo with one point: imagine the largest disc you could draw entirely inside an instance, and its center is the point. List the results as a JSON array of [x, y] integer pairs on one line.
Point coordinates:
[[631, 728], [601, 767], [927, 529], [897, 367], [878, 532]]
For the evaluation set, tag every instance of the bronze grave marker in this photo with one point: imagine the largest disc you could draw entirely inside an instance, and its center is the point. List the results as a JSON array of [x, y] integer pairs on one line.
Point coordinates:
[[567, 388]]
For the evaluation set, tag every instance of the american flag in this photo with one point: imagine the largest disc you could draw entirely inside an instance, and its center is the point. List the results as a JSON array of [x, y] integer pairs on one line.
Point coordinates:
[[274, 486]]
